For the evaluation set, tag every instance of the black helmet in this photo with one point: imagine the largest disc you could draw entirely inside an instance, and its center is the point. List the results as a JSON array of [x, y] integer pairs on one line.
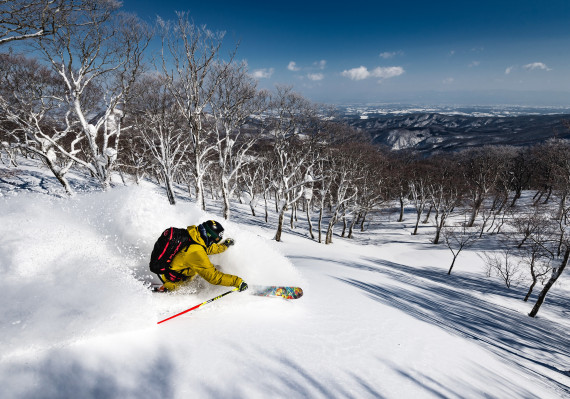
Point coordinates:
[[211, 231]]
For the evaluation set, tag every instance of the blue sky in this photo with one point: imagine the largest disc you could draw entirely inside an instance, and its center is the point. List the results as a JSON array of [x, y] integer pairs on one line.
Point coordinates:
[[452, 52]]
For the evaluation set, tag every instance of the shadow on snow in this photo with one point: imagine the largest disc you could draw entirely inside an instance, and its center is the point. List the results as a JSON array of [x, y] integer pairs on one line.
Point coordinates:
[[457, 303]]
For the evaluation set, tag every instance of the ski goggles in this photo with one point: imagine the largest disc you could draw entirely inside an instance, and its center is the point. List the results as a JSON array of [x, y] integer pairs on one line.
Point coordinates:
[[213, 235]]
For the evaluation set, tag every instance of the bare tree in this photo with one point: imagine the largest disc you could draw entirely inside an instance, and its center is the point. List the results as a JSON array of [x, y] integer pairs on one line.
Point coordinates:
[[160, 127], [536, 249], [556, 272], [251, 178], [97, 55], [418, 185], [290, 113], [546, 157], [521, 173], [191, 60], [458, 238], [30, 114], [322, 188], [308, 195], [504, 264], [399, 177], [135, 158], [11, 153], [235, 100], [445, 193], [374, 183], [28, 19], [491, 209], [482, 168], [560, 163], [343, 189], [561, 254]]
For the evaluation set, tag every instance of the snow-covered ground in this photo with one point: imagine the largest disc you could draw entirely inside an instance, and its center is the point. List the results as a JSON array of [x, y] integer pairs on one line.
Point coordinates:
[[380, 318]]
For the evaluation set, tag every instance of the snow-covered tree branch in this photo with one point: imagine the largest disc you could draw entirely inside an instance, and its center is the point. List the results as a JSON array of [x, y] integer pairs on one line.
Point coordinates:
[[96, 54]]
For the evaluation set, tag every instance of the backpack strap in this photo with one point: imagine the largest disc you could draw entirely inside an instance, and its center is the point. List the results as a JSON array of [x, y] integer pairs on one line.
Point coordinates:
[[174, 276]]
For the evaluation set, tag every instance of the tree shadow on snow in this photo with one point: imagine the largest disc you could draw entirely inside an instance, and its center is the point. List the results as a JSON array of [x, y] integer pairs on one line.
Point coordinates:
[[460, 387], [457, 303], [278, 374], [42, 182], [65, 377]]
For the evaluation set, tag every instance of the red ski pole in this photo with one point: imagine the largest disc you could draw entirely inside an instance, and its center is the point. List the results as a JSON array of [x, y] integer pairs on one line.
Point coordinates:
[[197, 306]]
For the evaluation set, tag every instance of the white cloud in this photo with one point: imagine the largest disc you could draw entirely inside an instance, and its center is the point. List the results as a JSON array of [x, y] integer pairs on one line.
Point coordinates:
[[387, 72], [316, 76], [316, 65], [391, 54], [536, 65], [263, 73], [448, 81], [293, 66], [509, 70], [356, 73], [362, 72], [474, 64], [320, 64]]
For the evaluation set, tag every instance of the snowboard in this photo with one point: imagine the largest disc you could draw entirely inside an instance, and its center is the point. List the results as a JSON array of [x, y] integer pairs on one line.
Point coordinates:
[[277, 291]]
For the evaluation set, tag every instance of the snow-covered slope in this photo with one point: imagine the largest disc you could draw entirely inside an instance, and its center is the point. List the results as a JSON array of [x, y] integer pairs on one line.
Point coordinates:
[[379, 318]]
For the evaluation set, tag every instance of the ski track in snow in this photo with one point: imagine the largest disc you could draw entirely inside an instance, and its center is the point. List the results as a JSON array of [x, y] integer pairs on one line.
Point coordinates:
[[379, 318]]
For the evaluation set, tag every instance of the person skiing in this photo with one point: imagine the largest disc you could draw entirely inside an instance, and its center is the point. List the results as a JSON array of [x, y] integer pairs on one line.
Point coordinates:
[[192, 259]]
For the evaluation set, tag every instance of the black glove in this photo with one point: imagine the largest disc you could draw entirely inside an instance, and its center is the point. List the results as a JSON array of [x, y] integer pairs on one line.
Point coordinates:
[[242, 286], [228, 242]]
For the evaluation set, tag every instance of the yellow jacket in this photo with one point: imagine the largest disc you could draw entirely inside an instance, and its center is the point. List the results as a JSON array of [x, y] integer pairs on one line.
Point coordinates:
[[195, 261]]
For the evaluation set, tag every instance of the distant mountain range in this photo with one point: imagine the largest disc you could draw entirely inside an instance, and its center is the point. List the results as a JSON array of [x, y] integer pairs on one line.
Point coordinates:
[[452, 130]]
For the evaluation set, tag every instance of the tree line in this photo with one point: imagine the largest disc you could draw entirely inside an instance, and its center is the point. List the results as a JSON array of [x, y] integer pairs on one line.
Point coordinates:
[[86, 87]]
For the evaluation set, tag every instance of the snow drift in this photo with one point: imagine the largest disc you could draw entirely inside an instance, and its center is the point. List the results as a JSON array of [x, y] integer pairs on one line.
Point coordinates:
[[77, 268]]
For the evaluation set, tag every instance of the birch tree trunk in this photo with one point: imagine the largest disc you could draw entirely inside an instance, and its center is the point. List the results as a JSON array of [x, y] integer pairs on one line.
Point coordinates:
[[555, 274], [309, 222]]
